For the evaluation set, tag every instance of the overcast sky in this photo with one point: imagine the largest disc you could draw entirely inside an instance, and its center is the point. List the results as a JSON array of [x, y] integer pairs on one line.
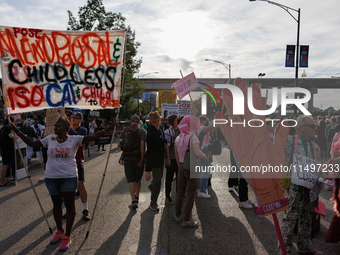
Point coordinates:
[[178, 35]]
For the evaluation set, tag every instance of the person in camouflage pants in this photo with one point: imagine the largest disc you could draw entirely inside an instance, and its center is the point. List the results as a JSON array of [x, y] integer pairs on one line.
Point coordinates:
[[300, 208]]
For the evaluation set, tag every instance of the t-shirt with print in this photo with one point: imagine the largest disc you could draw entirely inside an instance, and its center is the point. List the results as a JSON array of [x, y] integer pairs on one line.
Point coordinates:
[[61, 161], [182, 149]]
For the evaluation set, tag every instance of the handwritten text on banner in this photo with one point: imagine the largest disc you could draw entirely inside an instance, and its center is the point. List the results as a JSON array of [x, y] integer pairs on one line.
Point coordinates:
[[48, 69]]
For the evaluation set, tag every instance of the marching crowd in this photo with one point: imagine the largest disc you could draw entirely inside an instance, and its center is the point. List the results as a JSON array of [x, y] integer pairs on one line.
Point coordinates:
[[148, 149], [189, 137]]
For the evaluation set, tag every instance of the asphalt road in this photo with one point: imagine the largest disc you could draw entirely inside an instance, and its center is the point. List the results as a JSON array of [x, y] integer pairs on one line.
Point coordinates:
[[224, 227]]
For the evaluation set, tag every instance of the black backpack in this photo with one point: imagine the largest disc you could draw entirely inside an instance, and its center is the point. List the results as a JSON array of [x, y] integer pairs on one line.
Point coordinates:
[[130, 138]]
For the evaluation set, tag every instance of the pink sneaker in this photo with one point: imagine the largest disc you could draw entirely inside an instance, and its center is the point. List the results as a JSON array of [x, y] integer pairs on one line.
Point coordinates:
[[58, 235], [65, 243], [314, 252]]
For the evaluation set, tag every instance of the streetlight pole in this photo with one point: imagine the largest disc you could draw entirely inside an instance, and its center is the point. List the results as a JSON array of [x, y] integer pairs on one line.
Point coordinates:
[[228, 66], [288, 9], [260, 75]]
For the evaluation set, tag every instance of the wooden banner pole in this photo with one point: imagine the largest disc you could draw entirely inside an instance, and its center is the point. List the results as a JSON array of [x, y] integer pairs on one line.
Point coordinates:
[[279, 235]]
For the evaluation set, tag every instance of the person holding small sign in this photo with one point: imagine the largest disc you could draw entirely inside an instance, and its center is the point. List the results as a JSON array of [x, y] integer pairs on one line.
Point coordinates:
[[61, 172], [300, 209]]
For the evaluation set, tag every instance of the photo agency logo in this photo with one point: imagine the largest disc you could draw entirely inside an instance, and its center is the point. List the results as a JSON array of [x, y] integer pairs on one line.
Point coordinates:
[[238, 104]]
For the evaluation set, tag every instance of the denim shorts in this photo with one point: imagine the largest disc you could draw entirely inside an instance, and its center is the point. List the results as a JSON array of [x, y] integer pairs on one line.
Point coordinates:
[[55, 186]]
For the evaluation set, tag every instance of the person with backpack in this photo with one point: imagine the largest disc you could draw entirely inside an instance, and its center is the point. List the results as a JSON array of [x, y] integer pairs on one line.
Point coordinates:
[[132, 142], [171, 163]]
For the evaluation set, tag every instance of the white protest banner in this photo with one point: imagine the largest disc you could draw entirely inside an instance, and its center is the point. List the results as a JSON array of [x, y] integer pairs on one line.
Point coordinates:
[[168, 109], [184, 107], [304, 171], [48, 69], [185, 85]]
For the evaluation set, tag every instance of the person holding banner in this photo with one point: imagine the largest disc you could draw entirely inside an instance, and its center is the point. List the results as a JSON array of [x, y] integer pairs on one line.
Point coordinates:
[[76, 129], [7, 151], [300, 209], [61, 172]]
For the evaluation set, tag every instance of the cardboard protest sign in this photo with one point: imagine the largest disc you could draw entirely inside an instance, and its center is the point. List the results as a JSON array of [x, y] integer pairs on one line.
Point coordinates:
[[253, 149], [166, 97], [185, 85], [167, 110], [304, 171], [184, 107], [49, 69], [52, 115]]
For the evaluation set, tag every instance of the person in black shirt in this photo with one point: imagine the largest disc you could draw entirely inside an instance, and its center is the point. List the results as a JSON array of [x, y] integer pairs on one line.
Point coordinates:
[[156, 146], [7, 151]]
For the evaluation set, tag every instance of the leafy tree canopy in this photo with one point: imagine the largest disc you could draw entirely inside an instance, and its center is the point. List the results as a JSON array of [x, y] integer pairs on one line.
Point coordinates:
[[93, 16]]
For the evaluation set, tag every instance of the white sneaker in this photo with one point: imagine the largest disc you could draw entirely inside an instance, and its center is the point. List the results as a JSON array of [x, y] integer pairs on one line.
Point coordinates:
[[245, 205], [250, 202], [42, 179], [203, 195], [230, 189]]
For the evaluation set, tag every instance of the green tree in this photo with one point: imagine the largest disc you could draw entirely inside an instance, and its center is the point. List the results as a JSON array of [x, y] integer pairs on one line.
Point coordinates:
[[93, 16]]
